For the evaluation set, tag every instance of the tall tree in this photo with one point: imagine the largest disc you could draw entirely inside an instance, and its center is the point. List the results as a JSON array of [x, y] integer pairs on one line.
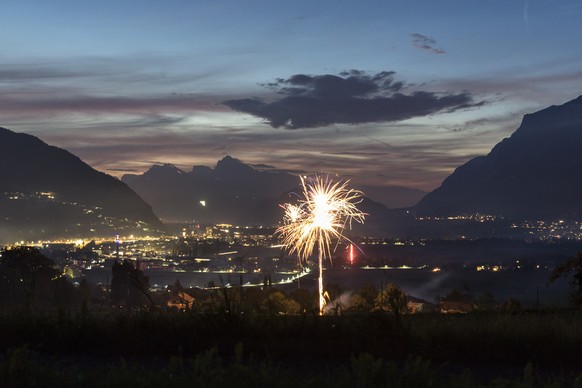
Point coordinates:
[[119, 284], [129, 286]]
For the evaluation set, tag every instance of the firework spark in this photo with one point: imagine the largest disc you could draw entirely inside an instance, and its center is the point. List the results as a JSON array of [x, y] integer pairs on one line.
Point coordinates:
[[319, 219]]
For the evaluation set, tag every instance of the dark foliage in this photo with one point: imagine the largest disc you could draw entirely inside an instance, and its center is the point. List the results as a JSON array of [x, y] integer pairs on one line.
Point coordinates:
[[129, 286], [300, 348], [27, 277], [574, 266]]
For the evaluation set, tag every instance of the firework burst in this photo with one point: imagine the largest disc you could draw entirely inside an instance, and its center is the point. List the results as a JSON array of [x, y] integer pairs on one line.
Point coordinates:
[[319, 219]]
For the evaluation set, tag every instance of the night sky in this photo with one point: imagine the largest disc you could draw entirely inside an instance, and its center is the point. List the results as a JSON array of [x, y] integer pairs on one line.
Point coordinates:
[[382, 92]]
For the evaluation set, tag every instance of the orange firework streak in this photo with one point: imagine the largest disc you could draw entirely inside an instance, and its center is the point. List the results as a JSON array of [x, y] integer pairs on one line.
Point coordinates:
[[321, 215]]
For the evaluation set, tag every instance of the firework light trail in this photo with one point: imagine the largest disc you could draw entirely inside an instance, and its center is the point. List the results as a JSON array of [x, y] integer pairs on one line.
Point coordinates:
[[319, 219]]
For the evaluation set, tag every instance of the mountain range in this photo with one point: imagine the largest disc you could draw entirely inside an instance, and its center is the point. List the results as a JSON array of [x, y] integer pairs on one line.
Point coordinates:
[[47, 192], [534, 174], [232, 192]]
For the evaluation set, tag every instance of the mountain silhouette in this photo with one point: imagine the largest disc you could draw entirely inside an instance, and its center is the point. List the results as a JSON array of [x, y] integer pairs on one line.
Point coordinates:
[[393, 196], [232, 192], [228, 193], [536, 173], [48, 192]]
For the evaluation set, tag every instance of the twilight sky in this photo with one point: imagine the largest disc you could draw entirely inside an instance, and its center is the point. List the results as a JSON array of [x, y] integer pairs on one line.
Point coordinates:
[[381, 92]]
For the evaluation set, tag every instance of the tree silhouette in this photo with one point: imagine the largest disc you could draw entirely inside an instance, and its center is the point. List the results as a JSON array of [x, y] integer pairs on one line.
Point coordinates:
[[26, 276], [364, 300], [456, 296], [307, 299], [139, 287], [129, 285], [392, 299], [119, 284], [177, 287], [562, 270]]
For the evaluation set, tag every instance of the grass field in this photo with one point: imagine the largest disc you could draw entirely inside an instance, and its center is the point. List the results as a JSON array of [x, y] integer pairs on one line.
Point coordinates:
[[163, 348]]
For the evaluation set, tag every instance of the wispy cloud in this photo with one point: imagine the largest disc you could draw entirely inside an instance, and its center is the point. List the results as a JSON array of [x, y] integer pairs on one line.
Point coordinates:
[[35, 103], [93, 86], [427, 43]]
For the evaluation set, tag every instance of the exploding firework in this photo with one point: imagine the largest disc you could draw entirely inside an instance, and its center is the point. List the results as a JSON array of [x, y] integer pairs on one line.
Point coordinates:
[[319, 219]]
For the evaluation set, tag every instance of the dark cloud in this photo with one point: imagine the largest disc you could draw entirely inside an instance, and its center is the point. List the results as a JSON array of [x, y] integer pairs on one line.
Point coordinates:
[[424, 42], [352, 83], [353, 97]]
